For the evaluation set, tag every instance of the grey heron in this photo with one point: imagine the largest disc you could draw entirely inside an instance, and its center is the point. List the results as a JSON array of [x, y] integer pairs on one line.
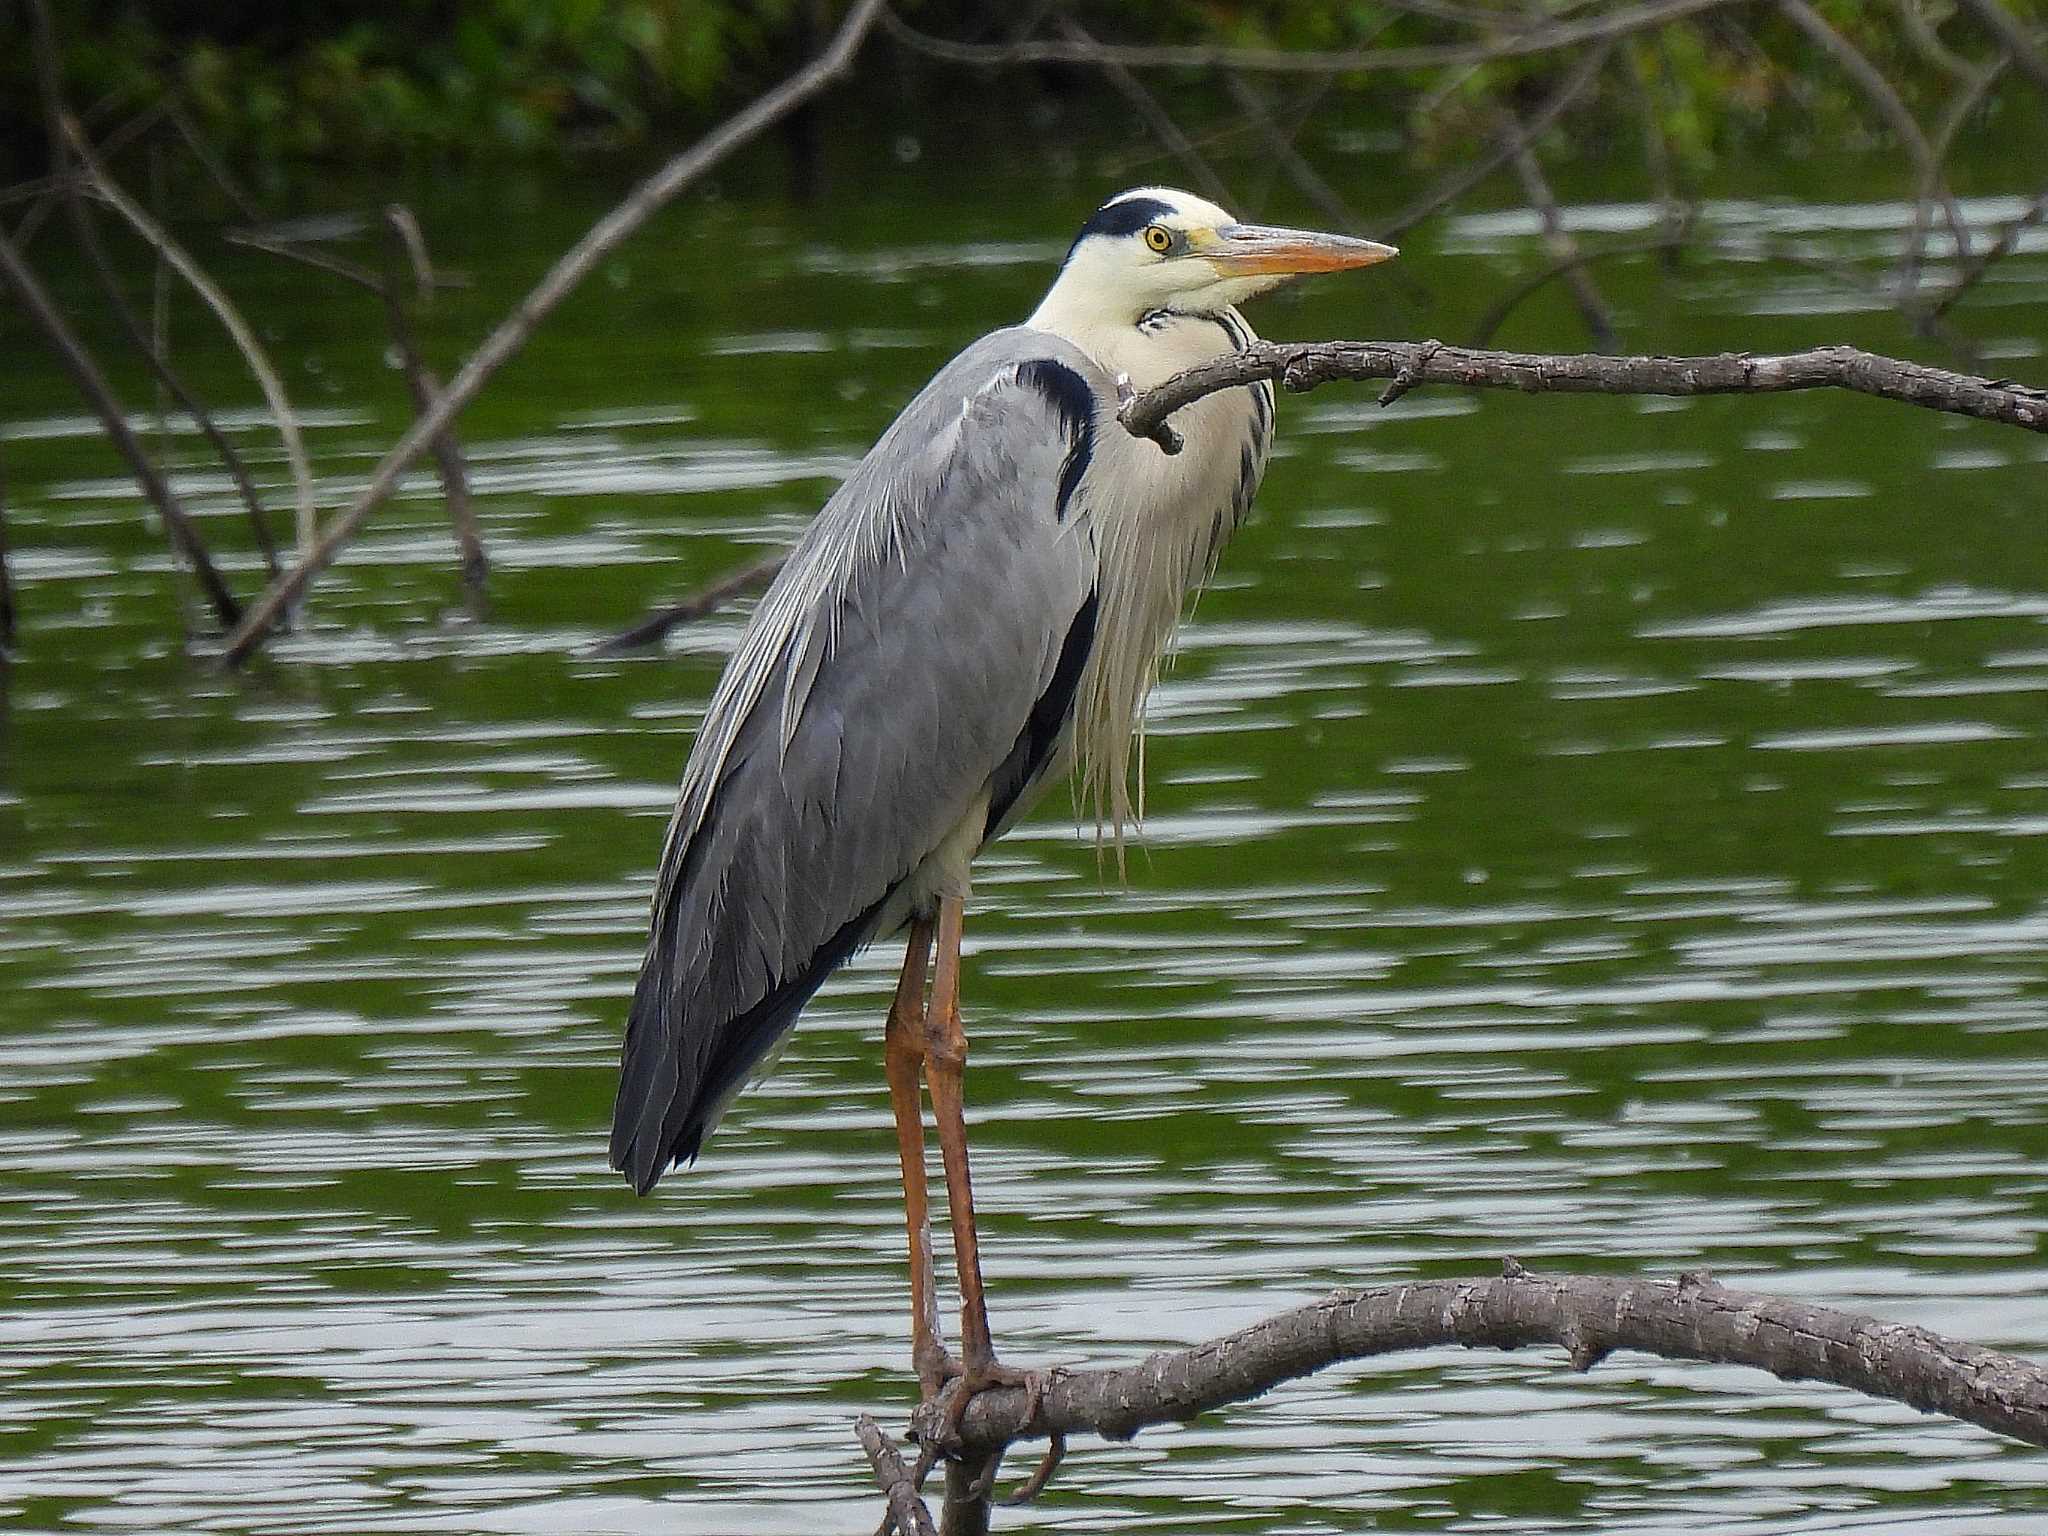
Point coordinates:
[[980, 607]]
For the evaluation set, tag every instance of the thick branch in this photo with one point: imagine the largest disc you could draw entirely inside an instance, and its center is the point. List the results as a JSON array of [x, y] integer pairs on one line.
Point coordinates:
[[562, 278], [1587, 1315], [1303, 365]]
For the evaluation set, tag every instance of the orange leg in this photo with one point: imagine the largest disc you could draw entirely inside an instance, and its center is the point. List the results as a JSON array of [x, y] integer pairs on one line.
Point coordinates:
[[903, 1053], [945, 1058]]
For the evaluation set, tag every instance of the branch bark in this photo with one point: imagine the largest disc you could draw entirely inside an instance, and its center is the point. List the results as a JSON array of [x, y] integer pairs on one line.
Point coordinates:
[[1589, 1316], [512, 333], [1304, 365], [907, 1511]]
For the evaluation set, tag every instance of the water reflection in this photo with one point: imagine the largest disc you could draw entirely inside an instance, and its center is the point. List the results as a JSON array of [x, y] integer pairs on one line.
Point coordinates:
[[314, 979]]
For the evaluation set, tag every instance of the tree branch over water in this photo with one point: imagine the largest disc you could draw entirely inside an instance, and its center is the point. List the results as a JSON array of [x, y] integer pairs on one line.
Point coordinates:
[[1589, 1316], [1304, 365]]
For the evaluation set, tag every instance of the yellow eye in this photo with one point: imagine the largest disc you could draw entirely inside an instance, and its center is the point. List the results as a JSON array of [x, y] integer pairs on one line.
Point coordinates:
[[1157, 237]]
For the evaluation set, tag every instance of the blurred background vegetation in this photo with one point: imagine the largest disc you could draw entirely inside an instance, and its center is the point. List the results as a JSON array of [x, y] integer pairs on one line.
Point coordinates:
[[284, 86]]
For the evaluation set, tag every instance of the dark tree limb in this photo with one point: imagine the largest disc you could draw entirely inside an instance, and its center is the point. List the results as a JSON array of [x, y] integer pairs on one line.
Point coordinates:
[[35, 302], [908, 1514], [562, 278], [1589, 1316], [707, 598], [1304, 365]]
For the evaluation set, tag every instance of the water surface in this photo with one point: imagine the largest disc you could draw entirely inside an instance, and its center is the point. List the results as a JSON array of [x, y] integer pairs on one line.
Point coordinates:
[[1612, 833]]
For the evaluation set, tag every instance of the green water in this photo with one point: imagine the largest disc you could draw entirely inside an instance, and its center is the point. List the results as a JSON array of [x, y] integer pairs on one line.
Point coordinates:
[[1605, 832]]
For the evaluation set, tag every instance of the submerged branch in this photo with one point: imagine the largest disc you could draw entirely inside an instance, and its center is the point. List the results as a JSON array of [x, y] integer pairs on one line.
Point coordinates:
[[1589, 1316], [1304, 365]]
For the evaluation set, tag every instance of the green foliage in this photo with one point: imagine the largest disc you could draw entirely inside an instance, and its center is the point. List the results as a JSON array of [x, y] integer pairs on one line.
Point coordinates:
[[294, 81]]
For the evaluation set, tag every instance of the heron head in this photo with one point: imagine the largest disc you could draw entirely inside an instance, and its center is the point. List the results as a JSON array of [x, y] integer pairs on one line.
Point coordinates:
[[1156, 248]]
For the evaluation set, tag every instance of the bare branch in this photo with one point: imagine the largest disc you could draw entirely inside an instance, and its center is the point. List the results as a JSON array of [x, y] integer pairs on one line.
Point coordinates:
[[86, 233], [425, 389], [2007, 242], [238, 329], [1537, 40], [1280, 145], [1592, 308], [1497, 313], [2003, 25], [1922, 34], [1872, 82], [1588, 1315], [1304, 365], [1466, 177], [568, 271], [910, 1517], [1156, 117], [712, 595], [43, 314]]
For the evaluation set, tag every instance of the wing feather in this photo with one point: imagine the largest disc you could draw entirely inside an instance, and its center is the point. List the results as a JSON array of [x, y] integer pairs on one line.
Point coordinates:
[[894, 677]]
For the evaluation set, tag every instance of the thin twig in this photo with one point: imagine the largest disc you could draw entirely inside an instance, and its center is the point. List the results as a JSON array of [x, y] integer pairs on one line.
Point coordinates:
[[1304, 365], [238, 329], [1156, 117], [43, 314], [568, 271], [1921, 32], [1882, 95], [2007, 242], [1467, 176], [1549, 39], [425, 389], [908, 1513], [1307, 180], [212, 163], [155, 355], [1502, 307], [1592, 307], [707, 598], [2022, 45], [50, 189]]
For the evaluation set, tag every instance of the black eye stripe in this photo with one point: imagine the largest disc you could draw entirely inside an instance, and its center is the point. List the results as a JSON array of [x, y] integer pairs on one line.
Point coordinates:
[[1124, 217]]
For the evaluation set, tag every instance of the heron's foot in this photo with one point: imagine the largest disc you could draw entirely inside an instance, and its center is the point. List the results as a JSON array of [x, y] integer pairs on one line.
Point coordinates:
[[939, 1416]]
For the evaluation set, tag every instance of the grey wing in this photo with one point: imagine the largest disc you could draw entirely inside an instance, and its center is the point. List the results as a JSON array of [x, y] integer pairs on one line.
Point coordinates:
[[920, 651]]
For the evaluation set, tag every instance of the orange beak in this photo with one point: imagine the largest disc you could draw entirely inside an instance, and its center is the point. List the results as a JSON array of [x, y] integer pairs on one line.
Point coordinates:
[[1247, 250]]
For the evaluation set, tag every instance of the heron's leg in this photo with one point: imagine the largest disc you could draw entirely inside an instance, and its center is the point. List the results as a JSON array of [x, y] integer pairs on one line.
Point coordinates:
[[945, 1058], [903, 1061]]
